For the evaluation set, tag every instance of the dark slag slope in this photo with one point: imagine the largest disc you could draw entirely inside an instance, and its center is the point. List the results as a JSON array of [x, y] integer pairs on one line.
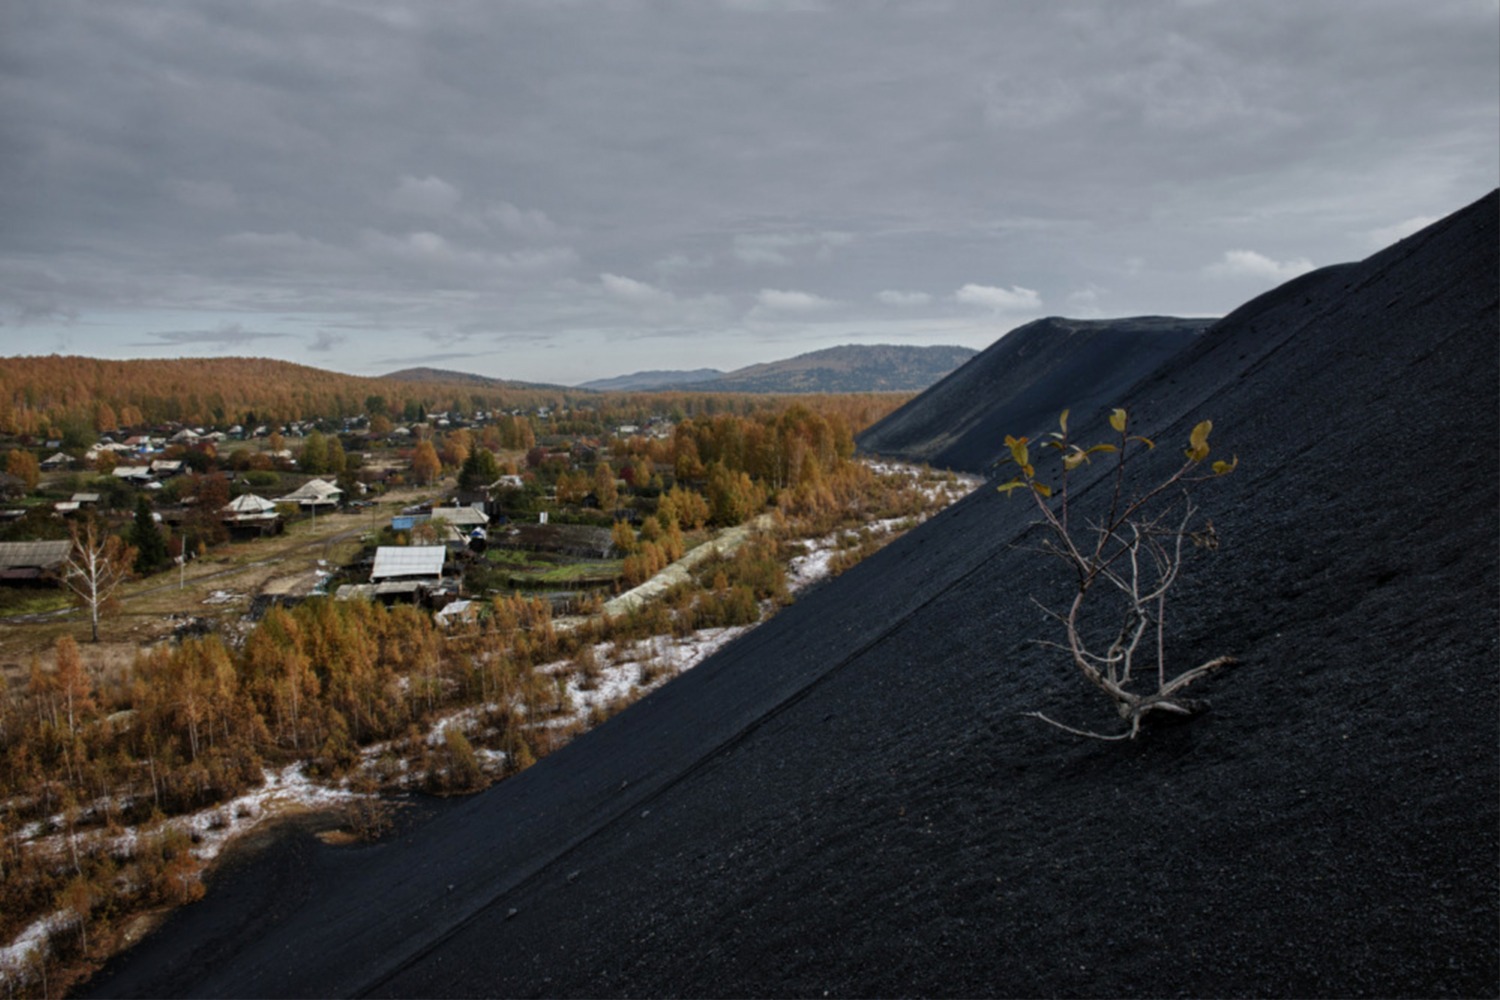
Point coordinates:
[[847, 800], [1019, 384]]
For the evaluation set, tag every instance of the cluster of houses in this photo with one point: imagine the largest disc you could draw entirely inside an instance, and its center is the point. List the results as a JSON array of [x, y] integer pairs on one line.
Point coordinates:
[[405, 573]]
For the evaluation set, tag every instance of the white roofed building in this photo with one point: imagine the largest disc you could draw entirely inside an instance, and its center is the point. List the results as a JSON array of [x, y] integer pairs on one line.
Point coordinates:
[[407, 571], [314, 493], [249, 509]]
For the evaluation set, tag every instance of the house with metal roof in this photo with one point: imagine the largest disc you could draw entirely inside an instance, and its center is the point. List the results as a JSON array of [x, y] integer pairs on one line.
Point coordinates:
[[137, 474], [33, 562], [461, 517], [248, 516], [314, 493], [249, 507], [407, 572]]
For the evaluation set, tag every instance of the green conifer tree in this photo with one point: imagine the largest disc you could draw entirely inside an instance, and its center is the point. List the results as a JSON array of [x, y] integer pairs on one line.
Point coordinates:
[[150, 547]]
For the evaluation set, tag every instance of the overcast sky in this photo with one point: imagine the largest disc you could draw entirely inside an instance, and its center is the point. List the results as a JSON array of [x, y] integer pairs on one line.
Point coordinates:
[[558, 191]]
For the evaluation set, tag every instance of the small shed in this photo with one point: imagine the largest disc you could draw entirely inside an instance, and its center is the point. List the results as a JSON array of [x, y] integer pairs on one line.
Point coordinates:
[[456, 613]]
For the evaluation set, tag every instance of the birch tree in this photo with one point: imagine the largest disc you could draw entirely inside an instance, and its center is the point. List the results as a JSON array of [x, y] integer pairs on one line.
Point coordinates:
[[96, 566]]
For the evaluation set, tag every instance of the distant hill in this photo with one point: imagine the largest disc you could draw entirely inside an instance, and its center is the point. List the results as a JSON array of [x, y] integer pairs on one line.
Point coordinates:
[[37, 391], [1022, 382], [649, 381], [445, 377], [850, 368]]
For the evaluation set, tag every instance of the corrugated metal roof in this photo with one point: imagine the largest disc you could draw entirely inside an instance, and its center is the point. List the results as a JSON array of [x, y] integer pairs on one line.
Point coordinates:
[[43, 554], [465, 516], [355, 592], [249, 503], [413, 560], [314, 490]]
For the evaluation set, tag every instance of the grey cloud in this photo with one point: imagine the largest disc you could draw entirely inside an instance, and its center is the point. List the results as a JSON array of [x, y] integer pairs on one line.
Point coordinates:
[[1012, 299], [209, 196], [410, 167], [1249, 264], [780, 300], [526, 222], [892, 297], [784, 249], [325, 341], [223, 335], [425, 196]]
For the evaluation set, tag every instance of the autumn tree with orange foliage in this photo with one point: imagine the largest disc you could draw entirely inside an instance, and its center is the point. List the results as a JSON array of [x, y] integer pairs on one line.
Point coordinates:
[[24, 466], [425, 465]]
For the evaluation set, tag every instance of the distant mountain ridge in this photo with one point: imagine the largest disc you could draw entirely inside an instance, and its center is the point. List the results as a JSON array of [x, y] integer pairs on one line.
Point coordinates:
[[645, 381], [463, 378], [847, 368]]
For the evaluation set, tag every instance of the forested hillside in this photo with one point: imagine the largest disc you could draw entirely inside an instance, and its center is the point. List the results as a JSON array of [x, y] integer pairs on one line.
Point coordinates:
[[53, 395]]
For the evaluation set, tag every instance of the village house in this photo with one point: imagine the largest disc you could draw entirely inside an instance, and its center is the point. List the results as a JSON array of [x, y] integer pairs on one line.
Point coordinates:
[[34, 562], [462, 527], [251, 515], [403, 573], [78, 502], [136, 475], [314, 494]]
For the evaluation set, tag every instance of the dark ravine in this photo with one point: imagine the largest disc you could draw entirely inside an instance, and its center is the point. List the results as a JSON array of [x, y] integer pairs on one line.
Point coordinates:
[[1022, 382], [848, 800]]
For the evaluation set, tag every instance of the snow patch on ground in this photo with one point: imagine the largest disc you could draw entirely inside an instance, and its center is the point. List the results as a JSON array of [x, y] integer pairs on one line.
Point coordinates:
[[288, 789], [815, 563], [29, 945], [621, 672]]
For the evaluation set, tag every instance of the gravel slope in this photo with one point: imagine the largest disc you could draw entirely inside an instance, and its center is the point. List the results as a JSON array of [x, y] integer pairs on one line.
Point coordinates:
[[848, 801], [1021, 382]]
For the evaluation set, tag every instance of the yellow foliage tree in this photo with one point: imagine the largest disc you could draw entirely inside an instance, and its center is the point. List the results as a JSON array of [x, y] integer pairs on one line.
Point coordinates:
[[424, 463]]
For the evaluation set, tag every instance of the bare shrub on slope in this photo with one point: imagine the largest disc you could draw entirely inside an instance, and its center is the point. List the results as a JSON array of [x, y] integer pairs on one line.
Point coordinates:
[[1135, 548]]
